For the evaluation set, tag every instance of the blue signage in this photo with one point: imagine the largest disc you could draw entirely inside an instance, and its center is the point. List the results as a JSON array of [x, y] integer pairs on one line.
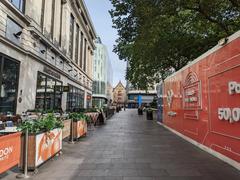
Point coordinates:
[[139, 100]]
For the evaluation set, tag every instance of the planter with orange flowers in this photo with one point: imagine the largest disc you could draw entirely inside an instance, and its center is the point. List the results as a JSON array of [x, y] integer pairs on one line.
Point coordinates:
[[44, 140]]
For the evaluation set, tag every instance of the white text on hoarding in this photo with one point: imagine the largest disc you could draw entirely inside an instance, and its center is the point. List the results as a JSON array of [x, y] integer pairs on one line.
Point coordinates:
[[228, 114], [233, 87]]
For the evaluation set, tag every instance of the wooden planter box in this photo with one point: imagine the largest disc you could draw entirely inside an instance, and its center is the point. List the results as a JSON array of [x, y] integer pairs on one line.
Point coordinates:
[[42, 147], [9, 151], [93, 116], [79, 129], [66, 132]]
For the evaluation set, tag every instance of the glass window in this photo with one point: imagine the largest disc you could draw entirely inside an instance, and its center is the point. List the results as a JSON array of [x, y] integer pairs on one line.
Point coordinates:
[[41, 88], [75, 99], [19, 4], [77, 44], [81, 51], [89, 100], [85, 56], [9, 71], [49, 93], [71, 36]]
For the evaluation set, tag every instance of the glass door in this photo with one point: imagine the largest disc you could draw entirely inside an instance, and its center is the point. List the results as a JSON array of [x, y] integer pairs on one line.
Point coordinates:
[[9, 71]]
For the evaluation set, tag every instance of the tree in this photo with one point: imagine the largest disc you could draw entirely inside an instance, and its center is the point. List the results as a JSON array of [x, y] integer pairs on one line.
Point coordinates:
[[158, 37]]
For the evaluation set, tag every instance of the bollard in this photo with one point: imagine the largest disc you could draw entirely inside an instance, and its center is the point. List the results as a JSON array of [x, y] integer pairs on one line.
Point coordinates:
[[25, 173], [71, 139]]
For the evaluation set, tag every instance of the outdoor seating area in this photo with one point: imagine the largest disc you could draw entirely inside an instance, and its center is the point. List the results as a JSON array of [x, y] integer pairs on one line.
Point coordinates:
[[36, 137]]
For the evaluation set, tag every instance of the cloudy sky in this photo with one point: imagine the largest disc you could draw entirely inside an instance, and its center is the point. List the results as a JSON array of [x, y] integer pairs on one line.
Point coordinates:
[[98, 10]]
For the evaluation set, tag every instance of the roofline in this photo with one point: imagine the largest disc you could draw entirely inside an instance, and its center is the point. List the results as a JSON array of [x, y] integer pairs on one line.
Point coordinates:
[[119, 84], [88, 17], [212, 50]]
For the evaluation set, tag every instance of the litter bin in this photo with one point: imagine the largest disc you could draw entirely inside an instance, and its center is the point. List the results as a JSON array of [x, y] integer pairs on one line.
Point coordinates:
[[140, 111], [149, 114]]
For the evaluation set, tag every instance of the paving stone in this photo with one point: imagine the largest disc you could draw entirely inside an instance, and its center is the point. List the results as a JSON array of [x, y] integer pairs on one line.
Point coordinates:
[[129, 147]]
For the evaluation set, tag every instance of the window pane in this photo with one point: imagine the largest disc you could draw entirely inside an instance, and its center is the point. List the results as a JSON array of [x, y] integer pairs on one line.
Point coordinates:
[[58, 96], [75, 99], [18, 4], [50, 94], [71, 36], [9, 84], [40, 96], [76, 44]]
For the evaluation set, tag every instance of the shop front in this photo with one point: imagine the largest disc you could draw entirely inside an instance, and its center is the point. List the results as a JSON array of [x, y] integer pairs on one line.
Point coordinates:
[[9, 76], [75, 98], [49, 93]]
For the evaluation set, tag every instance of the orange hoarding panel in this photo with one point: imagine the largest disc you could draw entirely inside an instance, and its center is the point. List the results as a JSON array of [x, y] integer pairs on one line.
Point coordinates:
[[9, 151], [202, 101]]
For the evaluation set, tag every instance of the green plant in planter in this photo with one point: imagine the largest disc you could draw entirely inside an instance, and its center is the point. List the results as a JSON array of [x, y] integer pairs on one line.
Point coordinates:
[[92, 110], [77, 116], [44, 124], [87, 118]]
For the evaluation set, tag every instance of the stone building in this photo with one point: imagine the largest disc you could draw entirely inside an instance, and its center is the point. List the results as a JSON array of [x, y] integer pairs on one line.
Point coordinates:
[[119, 94], [46, 51]]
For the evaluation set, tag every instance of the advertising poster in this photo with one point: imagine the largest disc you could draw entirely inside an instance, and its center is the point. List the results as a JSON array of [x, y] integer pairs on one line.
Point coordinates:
[[9, 151], [81, 128], [47, 145]]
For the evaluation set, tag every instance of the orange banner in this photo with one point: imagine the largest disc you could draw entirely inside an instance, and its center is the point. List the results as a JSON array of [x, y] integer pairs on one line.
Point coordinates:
[[9, 151]]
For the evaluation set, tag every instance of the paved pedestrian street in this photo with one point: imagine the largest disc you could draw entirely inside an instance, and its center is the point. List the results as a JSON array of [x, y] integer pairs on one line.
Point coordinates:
[[129, 147]]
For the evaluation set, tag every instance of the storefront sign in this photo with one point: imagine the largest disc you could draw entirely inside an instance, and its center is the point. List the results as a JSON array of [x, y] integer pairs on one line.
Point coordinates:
[[9, 151], [66, 89], [51, 72]]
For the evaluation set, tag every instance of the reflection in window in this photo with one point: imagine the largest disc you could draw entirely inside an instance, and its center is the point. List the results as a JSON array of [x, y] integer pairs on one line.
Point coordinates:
[[8, 85], [75, 99], [49, 93], [19, 4]]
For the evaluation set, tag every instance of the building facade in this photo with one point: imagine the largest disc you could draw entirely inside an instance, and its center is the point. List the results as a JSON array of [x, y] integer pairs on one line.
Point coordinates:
[[138, 97], [100, 67], [102, 76], [119, 94], [109, 83], [46, 52]]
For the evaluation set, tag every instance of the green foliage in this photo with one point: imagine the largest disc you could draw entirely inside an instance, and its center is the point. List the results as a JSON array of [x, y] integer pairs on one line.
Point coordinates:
[[77, 116], [92, 110], [44, 124], [88, 119], [158, 37]]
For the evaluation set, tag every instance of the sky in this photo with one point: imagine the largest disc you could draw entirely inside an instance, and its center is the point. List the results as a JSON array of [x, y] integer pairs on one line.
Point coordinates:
[[98, 10]]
